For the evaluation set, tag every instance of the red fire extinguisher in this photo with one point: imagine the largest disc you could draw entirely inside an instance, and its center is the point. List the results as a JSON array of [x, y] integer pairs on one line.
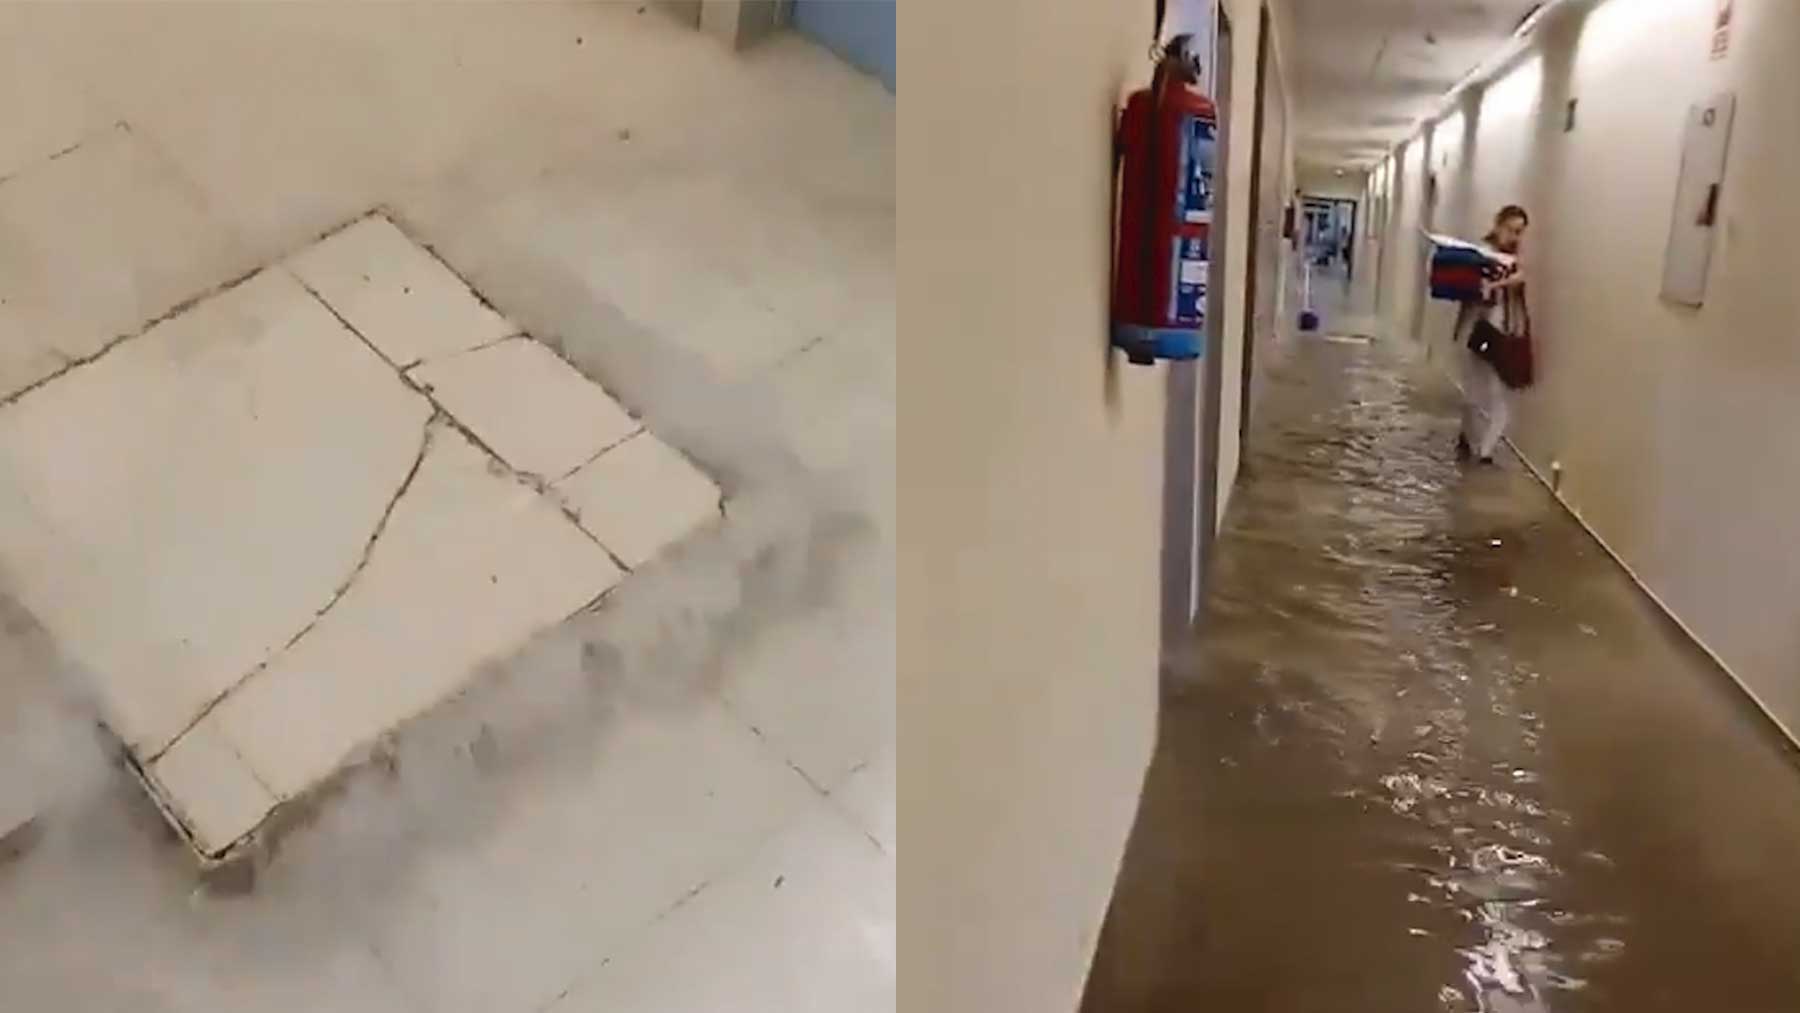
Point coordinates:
[[1164, 154]]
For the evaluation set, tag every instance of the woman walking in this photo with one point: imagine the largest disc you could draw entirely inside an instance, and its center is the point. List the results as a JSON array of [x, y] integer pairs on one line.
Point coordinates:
[[1486, 407]]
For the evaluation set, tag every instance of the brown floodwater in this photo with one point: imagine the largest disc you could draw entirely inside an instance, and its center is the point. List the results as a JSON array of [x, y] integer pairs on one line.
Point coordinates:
[[1432, 751]]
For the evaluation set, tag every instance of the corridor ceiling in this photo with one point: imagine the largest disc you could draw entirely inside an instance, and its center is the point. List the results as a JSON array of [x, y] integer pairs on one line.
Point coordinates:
[[1366, 71]]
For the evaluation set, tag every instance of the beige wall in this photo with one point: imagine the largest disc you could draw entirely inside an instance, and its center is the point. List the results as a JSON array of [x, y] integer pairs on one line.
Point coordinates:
[[1401, 297], [1030, 500], [1678, 430]]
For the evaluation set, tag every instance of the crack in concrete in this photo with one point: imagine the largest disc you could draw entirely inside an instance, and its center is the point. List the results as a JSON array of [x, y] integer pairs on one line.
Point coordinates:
[[574, 517], [788, 358], [368, 550], [602, 452], [337, 594], [472, 349], [398, 222], [535, 483], [62, 152], [71, 365], [393, 218], [542, 486], [65, 369], [584, 978]]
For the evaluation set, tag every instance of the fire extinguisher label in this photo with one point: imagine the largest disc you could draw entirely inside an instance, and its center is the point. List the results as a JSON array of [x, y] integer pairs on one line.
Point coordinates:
[[1193, 201], [1189, 270]]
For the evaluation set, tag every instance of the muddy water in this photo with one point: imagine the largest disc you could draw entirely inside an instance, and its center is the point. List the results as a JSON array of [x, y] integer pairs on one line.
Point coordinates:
[[1431, 751]]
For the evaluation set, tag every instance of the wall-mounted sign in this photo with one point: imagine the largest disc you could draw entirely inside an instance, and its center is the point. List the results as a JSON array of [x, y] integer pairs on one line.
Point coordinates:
[[1721, 36]]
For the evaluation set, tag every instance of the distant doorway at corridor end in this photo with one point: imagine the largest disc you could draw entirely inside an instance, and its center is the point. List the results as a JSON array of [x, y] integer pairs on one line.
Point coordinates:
[[1330, 235]]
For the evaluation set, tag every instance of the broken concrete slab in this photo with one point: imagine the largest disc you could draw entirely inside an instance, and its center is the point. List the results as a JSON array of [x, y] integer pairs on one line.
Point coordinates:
[[640, 497], [270, 545], [472, 563], [160, 509], [397, 295], [530, 407], [99, 240], [211, 787]]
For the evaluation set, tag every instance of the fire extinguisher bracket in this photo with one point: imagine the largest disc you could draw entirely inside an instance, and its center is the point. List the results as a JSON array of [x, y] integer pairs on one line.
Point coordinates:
[[1144, 346]]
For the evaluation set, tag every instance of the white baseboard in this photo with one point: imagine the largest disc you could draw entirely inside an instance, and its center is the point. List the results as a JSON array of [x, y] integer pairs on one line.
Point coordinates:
[[1793, 741]]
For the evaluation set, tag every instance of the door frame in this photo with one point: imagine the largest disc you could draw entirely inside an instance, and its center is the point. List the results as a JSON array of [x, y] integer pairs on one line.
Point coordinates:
[[1217, 285], [1428, 204], [1252, 274], [1191, 412]]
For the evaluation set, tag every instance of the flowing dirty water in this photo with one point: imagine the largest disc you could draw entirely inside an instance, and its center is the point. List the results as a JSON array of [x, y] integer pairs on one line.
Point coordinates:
[[1433, 752]]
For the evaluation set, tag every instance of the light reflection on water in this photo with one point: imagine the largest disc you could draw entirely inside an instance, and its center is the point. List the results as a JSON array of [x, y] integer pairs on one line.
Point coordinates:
[[1387, 595]]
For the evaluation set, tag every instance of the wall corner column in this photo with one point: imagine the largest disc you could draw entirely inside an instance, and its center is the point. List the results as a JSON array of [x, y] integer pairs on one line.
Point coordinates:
[[738, 23]]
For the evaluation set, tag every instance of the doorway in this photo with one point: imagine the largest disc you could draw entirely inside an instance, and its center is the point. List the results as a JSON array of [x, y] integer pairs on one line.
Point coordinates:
[[1331, 225], [1263, 258]]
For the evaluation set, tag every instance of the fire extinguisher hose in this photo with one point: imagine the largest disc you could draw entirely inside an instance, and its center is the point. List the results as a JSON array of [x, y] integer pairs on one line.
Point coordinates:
[[1147, 200]]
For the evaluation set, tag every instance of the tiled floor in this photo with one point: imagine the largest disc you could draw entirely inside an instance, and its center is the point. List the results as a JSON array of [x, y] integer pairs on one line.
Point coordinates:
[[88, 256], [684, 796], [398, 297]]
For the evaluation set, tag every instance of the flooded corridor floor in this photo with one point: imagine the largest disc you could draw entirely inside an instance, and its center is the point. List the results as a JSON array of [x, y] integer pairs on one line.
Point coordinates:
[[1433, 751]]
